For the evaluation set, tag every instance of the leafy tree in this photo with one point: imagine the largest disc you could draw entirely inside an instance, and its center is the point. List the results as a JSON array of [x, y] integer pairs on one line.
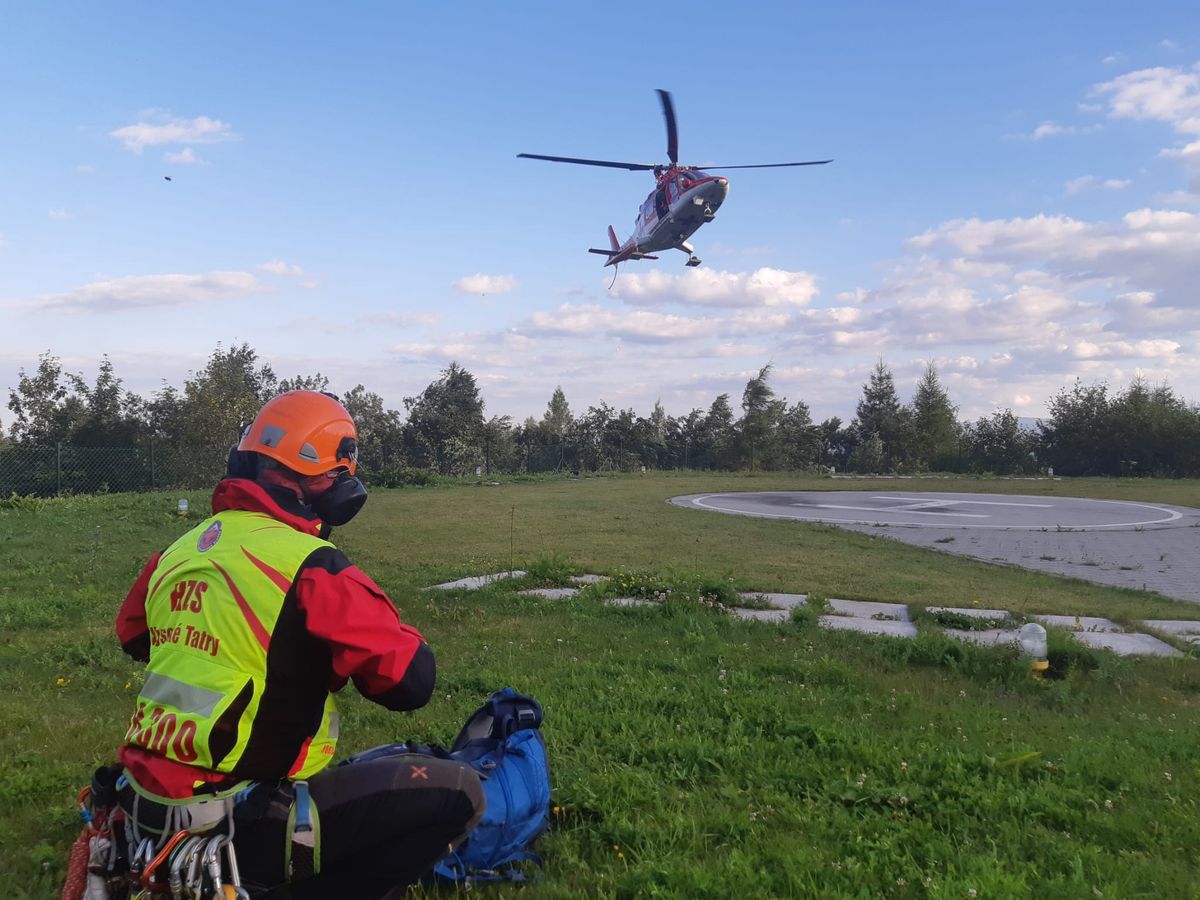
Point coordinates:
[[589, 433], [879, 413], [651, 433], [1151, 431], [499, 445], [800, 440], [935, 424], [999, 445], [837, 443], [690, 435], [445, 423], [556, 421], [869, 455], [380, 431], [218, 401], [317, 382], [759, 425], [45, 411], [715, 447], [1075, 440]]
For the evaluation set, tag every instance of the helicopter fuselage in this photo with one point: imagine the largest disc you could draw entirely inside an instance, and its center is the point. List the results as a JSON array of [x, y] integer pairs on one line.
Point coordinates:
[[682, 201]]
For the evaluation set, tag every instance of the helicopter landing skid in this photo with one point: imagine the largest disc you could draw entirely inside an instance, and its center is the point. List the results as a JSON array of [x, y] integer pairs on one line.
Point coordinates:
[[685, 247]]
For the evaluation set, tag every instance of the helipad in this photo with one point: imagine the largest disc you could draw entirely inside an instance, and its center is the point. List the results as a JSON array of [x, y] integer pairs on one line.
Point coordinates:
[[1149, 546]]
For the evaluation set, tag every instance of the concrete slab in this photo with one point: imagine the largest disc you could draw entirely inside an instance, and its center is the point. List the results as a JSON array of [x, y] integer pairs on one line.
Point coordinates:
[[990, 637], [629, 601], [1182, 627], [972, 612], [778, 601], [477, 581], [1127, 644], [587, 579], [1079, 623], [550, 593], [761, 615], [869, 626], [866, 609]]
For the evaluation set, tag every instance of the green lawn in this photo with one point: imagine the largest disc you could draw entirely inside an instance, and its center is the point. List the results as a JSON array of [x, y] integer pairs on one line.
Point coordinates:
[[692, 754]]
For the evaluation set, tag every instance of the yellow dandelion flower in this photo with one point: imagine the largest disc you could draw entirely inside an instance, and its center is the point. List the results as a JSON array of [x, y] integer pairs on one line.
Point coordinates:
[[61, 682]]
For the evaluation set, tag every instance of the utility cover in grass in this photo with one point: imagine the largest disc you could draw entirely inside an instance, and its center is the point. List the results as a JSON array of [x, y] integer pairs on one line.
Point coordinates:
[[986, 637], [1124, 644], [973, 613], [1080, 623], [550, 593], [475, 582], [629, 601], [870, 626], [866, 609], [778, 601], [1174, 626], [761, 615]]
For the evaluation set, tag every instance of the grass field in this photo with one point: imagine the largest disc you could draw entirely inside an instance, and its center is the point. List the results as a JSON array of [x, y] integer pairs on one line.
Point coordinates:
[[692, 754]]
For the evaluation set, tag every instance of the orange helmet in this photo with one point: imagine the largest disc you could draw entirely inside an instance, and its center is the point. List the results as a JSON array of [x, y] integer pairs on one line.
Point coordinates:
[[307, 431]]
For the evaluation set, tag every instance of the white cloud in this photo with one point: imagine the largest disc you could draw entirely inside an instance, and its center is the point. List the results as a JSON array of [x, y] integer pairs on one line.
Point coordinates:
[[403, 319], [186, 157], [279, 267], [485, 284], [640, 326], [1160, 94], [707, 287], [59, 214], [1049, 129], [149, 291], [1091, 182], [167, 129], [1168, 44], [85, 168]]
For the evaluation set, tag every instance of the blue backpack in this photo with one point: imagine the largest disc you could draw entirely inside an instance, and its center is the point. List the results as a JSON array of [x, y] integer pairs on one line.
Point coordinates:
[[503, 743]]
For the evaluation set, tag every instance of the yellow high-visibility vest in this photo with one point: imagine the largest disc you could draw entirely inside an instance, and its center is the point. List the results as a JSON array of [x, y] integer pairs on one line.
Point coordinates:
[[213, 606]]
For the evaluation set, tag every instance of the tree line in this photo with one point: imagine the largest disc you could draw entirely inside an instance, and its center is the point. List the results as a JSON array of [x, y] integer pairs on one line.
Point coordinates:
[[1140, 430]]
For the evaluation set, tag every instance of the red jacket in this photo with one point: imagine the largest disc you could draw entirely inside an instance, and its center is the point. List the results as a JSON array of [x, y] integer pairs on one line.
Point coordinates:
[[340, 606]]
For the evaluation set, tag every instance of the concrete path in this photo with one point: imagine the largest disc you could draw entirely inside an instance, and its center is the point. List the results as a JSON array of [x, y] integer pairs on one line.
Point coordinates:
[[1152, 547], [892, 619]]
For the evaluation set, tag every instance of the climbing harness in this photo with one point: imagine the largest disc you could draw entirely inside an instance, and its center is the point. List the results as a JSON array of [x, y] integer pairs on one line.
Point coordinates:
[[113, 859]]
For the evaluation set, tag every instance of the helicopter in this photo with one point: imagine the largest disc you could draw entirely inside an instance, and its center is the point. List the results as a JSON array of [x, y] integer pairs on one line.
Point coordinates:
[[683, 199]]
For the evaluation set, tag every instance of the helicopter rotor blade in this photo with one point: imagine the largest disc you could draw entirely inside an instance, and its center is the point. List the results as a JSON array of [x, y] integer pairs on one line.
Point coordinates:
[[813, 162], [668, 109], [607, 163]]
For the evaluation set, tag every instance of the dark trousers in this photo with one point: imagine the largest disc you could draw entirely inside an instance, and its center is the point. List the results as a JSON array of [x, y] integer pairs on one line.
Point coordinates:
[[383, 824]]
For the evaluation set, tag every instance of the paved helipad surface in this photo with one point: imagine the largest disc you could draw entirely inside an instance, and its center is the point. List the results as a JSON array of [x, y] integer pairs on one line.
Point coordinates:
[[1122, 543]]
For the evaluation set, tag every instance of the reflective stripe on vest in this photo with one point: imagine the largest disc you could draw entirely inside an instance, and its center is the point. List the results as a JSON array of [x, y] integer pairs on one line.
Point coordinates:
[[211, 609]]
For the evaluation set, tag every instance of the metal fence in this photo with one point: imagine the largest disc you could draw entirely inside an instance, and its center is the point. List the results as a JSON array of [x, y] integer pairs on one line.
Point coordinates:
[[43, 471], [47, 471]]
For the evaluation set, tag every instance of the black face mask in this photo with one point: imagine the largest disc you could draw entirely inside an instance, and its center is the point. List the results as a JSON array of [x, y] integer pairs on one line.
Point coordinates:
[[341, 501]]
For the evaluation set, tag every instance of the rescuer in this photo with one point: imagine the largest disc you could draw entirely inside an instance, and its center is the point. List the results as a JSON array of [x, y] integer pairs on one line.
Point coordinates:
[[250, 623]]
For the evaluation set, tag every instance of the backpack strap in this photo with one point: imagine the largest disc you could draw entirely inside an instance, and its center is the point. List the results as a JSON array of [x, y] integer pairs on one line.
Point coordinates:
[[302, 855], [502, 713]]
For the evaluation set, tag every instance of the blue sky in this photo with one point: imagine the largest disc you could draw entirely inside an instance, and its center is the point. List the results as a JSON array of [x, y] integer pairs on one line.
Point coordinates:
[[1016, 196]]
